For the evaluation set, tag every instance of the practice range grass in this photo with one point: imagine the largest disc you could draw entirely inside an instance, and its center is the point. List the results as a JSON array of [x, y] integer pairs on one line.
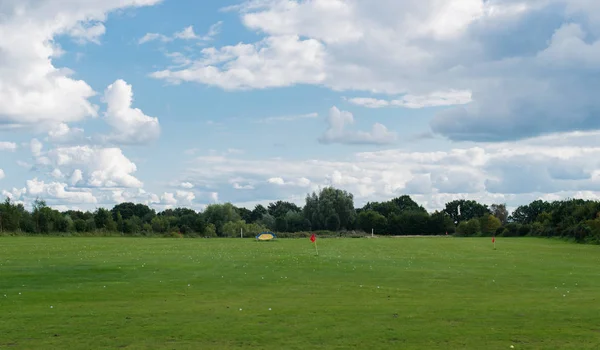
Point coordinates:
[[383, 293]]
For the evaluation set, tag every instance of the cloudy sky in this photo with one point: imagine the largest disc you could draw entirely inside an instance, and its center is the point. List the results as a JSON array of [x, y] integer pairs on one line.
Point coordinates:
[[186, 103]]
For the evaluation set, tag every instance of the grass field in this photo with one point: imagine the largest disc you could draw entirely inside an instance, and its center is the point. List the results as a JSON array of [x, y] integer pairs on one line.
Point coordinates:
[[385, 293]]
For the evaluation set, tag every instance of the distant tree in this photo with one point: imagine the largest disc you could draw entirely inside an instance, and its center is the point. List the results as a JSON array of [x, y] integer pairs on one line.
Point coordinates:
[[489, 224], [469, 228], [295, 221], [281, 224], [211, 230], [371, 219], [103, 219], [257, 213], [500, 211], [333, 222], [440, 223], [280, 208], [219, 214], [245, 214], [330, 202], [268, 221], [527, 214], [469, 209]]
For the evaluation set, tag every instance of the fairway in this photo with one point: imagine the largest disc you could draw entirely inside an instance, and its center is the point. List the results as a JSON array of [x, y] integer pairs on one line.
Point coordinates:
[[384, 293]]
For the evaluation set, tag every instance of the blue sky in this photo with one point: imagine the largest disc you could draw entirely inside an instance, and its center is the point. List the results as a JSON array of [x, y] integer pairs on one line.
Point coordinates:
[[187, 103]]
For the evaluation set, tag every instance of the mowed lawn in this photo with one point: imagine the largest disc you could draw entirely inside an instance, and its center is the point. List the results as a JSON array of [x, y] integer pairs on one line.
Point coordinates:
[[382, 293]]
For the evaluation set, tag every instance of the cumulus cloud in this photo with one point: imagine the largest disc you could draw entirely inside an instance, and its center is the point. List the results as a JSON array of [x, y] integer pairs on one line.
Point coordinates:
[[429, 52], [36, 147], [273, 62], [33, 92], [92, 166], [16, 194], [512, 172], [337, 132], [300, 182], [57, 190], [62, 133], [8, 146], [130, 125], [2, 175]]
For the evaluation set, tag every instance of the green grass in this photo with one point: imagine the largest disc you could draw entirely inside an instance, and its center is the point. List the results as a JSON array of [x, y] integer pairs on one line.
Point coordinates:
[[386, 293]]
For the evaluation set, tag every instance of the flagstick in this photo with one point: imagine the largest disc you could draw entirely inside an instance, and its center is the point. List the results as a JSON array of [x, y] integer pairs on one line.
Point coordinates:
[[317, 249]]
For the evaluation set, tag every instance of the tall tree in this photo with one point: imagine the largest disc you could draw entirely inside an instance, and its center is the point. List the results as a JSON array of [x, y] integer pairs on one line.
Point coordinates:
[[500, 212], [280, 208], [465, 210], [257, 213], [330, 203]]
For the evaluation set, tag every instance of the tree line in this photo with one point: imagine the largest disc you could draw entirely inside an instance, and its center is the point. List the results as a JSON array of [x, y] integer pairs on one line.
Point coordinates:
[[331, 210]]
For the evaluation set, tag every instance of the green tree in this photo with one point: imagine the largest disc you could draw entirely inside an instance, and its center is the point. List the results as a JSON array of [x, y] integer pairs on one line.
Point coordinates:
[[257, 213], [469, 228], [489, 224], [500, 211], [211, 230], [465, 210], [371, 219], [281, 224], [330, 202], [219, 214], [333, 222], [280, 208]]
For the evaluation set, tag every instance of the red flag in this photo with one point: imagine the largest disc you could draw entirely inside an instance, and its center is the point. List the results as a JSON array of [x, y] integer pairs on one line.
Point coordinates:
[[313, 238], [493, 239]]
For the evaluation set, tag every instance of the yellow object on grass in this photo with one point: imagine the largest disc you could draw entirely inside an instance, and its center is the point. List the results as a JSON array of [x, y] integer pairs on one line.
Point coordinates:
[[265, 236]]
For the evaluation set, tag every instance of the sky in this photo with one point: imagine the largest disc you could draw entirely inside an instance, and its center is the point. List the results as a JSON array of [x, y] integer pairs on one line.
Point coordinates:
[[181, 103]]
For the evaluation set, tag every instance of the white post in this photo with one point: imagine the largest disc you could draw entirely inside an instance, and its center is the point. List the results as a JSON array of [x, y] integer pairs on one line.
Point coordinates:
[[371, 232], [241, 233]]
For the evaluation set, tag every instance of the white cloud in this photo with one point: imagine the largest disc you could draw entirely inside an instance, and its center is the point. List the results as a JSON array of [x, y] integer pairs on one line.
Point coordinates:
[[15, 194], [273, 62], [8, 146], [168, 199], [57, 174], [91, 32], [187, 185], [23, 164], [512, 172], [428, 52], [33, 92], [2, 175], [186, 33], [185, 197], [435, 99], [36, 147], [153, 36], [300, 182], [237, 186], [57, 190], [95, 166], [76, 177], [337, 133], [62, 133], [130, 125]]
